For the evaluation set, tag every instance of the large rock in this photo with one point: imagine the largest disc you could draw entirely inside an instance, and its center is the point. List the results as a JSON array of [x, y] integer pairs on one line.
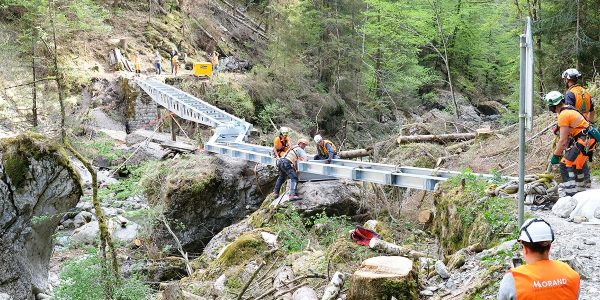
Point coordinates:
[[332, 197], [564, 206], [587, 202], [384, 277], [38, 185], [201, 195]]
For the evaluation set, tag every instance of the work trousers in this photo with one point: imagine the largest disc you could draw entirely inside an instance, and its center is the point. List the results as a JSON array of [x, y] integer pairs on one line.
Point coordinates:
[[573, 180], [286, 170]]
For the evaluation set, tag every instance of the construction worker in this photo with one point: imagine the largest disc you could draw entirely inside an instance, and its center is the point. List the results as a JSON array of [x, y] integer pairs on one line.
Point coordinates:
[[288, 168], [541, 277], [157, 62], [214, 60], [576, 141], [579, 98], [282, 143], [326, 150]]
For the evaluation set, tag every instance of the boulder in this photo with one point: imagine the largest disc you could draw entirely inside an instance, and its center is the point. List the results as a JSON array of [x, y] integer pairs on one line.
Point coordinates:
[[223, 238], [86, 234], [207, 194], [336, 197], [166, 269], [39, 185], [82, 218], [305, 293], [384, 277], [564, 206], [587, 202], [308, 262], [491, 108], [441, 269]]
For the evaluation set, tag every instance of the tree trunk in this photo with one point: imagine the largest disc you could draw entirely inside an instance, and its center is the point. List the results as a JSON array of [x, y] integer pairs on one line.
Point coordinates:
[[33, 88], [355, 153], [436, 138], [384, 277]]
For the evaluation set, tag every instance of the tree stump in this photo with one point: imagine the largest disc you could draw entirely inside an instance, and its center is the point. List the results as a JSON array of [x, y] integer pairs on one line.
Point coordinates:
[[383, 277]]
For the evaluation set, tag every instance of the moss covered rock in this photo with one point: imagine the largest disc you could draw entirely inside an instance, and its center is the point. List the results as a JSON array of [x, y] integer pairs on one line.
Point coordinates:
[[242, 249], [465, 216], [201, 195]]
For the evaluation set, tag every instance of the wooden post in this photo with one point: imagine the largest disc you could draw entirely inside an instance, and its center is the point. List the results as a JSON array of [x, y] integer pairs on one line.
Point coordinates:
[[173, 136]]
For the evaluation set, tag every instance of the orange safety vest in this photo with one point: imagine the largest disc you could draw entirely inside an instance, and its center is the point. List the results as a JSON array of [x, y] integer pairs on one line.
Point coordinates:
[[281, 146], [546, 279], [292, 156], [580, 147], [323, 149], [583, 101]]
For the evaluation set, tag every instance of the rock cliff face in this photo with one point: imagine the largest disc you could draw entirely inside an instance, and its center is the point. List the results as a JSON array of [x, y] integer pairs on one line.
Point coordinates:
[[37, 186], [201, 195]]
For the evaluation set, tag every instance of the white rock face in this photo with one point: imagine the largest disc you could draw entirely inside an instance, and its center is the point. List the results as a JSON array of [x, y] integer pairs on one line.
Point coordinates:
[[564, 206]]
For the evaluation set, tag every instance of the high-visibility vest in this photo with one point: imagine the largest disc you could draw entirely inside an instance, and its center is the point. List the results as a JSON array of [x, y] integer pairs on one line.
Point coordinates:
[[546, 279], [292, 156], [323, 149], [281, 146], [583, 101]]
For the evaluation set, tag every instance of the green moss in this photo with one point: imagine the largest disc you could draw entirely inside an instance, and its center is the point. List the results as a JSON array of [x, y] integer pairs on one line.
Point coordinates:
[[405, 289], [19, 150], [198, 187], [242, 249], [465, 216], [129, 97]]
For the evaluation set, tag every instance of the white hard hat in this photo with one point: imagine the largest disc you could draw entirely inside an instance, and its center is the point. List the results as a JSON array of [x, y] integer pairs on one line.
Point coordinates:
[[571, 74], [536, 230], [318, 138], [284, 130], [553, 98]]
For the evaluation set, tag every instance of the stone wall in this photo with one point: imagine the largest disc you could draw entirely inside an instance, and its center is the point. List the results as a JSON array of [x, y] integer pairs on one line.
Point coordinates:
[[140, 110]]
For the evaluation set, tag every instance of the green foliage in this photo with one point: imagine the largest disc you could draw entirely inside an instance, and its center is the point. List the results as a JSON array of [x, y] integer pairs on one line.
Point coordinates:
[[329, 228], [84, 278], [230, 97], [290, 228]]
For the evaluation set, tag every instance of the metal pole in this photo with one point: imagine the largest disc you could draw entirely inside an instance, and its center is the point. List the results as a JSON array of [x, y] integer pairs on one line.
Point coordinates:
[[523, 45]]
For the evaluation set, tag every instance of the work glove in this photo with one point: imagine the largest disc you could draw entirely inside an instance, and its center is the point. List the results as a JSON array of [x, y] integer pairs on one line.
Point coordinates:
[[555, 159], [556, 130]]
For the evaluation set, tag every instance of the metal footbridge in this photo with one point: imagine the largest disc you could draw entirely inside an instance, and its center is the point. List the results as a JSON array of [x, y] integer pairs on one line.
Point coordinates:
[[232, 133]]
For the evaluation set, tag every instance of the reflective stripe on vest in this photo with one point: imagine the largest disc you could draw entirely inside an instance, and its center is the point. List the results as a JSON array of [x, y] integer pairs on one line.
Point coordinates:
[[546, 279], [583, 101], [323, 148], [288, 156]]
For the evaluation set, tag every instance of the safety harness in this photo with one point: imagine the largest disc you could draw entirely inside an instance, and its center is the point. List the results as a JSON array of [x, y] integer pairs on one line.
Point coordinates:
[[582, 139]]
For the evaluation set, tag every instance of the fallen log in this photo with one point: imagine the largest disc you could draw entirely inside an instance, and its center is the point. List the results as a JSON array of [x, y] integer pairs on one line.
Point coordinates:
[[356, 153], [393, 249], [442, 138], [334, 287]]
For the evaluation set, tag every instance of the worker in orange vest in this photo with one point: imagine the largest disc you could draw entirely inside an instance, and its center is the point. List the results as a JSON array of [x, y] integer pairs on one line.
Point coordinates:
[[288, 168], [577, 141], [282, 143], [326, 150], [541, 277], [579, 98]]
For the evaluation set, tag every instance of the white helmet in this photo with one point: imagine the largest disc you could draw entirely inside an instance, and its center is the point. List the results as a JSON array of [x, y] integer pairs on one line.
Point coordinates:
[[318, 138], [571, 74], [536, 230], [284, 130], [553, 98]]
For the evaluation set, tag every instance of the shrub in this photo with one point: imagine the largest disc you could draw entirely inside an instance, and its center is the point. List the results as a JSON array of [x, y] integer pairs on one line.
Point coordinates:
[[83, 278]]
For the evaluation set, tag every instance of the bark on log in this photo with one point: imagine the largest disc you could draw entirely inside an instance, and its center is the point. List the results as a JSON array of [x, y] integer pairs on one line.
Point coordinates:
[[355, 153], [393, 249], [334, 287], [436, 138], [384, 277]]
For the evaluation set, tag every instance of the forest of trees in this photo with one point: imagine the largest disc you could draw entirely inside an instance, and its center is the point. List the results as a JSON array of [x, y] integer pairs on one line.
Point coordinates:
[[394, 54]]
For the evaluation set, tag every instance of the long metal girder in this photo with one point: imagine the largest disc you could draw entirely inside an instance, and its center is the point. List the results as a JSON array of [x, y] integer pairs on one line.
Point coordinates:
[[228, 128], [336, 169], [231, 132]]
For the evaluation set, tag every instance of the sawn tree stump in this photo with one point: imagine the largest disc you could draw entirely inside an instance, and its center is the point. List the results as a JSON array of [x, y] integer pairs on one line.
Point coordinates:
[[383, 277]]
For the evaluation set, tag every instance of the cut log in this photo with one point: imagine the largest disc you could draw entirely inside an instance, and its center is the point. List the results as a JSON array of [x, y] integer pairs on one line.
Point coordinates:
[[355, 153], [384, 277], [393, 249], [436, 138], [334, 287]]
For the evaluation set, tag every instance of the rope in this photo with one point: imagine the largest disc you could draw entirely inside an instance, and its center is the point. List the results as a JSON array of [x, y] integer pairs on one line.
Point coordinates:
[[186, 135]]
